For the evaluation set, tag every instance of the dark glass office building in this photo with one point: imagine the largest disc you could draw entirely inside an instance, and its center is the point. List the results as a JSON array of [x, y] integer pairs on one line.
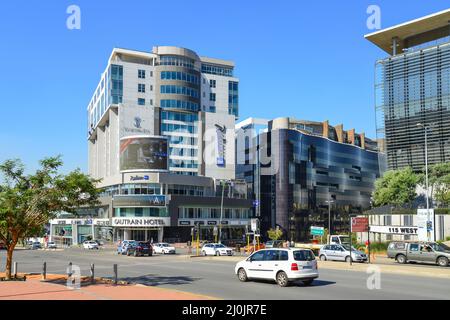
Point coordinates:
[[311, 163], [412, 88]]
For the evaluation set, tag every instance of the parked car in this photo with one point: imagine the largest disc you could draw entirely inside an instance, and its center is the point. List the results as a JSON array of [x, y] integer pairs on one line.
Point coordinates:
[[125, 246], [274, 244], [139, 249], [35, 245], [51, 245], [281, 265], [89, 244], [426, 252], [341, 252], [216, 249], [164, 248], [99, 242]]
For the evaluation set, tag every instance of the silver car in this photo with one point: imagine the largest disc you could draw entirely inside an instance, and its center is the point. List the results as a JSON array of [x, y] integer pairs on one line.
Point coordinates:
[[341, 252]]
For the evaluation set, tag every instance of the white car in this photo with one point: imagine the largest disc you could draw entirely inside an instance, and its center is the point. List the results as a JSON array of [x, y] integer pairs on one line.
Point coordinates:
[[163, 248], [90, 245], [341, 252], [216, 249], [51, 245], [281, 265]]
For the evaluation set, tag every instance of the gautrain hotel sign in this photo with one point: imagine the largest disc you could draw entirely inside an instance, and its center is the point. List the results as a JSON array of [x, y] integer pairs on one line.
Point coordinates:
[[141, 201], [141, 222]]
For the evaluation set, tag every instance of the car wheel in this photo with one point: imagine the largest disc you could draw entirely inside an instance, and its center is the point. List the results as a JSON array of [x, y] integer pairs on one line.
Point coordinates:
[[308, 282], [282, 279], [217, 253], [128, 253], [401, 259], [135, 253], [163, 252], [323, 258], [348, 259], [442, 261], [242, 275], [204, 253]]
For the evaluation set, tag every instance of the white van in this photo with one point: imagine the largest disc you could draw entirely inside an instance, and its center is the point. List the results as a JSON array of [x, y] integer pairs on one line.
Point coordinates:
[[279, 264]]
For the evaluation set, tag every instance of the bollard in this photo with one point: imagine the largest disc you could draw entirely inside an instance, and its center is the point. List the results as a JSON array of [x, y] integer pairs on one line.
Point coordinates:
[[69, 271], [44, 271], [15, 270], [115, 274], [92, 273]]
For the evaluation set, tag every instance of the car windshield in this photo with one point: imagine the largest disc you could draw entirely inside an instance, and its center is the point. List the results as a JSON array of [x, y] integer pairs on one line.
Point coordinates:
[[219, 246], [164, 244], [347, 247], [143, 243], [303, 255], [439, 247]]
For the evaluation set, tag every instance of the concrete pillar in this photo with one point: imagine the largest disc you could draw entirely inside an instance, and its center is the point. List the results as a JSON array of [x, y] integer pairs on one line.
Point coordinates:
[[127, 234], [74, 234], [146, 235], [160, 234]]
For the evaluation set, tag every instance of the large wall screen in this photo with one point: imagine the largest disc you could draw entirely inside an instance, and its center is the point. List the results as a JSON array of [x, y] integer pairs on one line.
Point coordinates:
[[143, 153]]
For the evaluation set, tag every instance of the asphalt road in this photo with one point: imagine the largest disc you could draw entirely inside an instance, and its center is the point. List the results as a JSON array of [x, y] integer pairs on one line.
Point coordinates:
[[216, 277]]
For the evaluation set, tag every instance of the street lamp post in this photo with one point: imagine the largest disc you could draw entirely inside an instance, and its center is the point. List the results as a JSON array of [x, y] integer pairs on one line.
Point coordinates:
[[221, 210], [329, 212], [426, 127]]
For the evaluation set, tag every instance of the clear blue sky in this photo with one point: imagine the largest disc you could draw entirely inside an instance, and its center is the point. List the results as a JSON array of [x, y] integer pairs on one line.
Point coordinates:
[[303, 59]]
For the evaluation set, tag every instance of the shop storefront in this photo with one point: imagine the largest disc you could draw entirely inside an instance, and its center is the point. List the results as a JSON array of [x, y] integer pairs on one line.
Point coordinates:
[[67, 232]]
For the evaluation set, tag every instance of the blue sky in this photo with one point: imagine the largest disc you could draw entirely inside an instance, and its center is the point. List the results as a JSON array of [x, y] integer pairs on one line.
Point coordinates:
[[307, 60]]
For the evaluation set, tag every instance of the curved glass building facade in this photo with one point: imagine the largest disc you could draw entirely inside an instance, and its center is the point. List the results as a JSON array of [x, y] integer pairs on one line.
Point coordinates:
[[306, 170]]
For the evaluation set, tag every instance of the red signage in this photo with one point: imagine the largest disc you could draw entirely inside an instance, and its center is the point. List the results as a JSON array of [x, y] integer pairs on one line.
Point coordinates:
[[360, 224]]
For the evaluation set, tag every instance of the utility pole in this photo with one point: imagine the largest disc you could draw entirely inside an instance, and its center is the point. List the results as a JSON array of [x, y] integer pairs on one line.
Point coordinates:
[[222, 183], [426, 127]]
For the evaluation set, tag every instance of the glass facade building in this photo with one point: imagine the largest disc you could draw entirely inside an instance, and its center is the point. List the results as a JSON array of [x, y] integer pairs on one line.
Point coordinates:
[[306, 171], [412, 90]]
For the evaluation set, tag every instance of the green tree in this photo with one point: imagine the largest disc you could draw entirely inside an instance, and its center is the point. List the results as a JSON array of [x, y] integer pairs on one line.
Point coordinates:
[[28, 202], [396, 187], [439, 181], [274, 234]]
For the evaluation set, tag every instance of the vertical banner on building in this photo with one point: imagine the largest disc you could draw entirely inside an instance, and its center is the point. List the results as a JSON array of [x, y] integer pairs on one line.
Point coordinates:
[[425, 223], [220, 144]]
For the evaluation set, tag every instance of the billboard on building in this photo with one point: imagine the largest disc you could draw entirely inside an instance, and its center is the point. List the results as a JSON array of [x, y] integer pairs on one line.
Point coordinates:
[[143, 153], [425, 224]]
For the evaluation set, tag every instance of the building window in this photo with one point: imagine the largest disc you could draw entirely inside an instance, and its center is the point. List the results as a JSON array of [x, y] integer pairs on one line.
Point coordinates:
[[212, 97], [212, 109], [141, 101], [141, 88], [141, 74], [212, 83], [151, 73], [151, 87], [151, 102]]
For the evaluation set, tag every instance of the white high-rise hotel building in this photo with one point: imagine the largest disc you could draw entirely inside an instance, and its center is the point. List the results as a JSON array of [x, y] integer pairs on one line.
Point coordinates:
[[169, 92], [161, 139]]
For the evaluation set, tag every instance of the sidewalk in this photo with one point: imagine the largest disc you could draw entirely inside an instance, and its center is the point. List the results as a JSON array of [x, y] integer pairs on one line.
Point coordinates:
[[54, 288]]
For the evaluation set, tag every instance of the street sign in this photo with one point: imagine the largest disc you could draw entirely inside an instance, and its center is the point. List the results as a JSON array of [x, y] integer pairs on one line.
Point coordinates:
[[404, 230], [317, 231], [360, 224], [254, 224]]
